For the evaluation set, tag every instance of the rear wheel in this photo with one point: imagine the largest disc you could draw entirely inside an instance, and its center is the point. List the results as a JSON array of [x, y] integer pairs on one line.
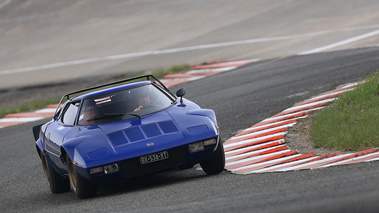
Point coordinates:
[[82, 187], [216, 163], [57, 183]]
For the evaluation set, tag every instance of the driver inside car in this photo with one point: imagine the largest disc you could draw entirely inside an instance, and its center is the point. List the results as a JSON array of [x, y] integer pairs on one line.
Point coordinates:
[[142, 100], [89, 110]]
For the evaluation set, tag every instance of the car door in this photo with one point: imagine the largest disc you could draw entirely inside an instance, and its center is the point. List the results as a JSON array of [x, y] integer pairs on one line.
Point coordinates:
[[56, 131]]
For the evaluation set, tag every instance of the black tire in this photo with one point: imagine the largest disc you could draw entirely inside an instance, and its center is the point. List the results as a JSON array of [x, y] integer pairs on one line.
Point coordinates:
[[57, 183], [82, 187], [216, 163]]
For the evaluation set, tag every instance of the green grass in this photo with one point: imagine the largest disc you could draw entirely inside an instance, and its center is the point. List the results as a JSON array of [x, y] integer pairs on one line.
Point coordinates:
[[39, 104], [160, 73], [175, 69], [350, 123]]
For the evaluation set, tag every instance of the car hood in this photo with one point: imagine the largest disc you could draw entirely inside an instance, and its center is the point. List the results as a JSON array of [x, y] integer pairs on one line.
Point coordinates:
[[163, 130]]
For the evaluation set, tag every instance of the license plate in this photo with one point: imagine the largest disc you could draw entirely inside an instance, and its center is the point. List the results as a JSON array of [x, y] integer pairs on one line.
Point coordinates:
[[153, 157]]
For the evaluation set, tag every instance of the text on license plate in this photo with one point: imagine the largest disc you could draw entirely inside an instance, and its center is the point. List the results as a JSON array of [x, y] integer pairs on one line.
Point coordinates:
[[154, 157]]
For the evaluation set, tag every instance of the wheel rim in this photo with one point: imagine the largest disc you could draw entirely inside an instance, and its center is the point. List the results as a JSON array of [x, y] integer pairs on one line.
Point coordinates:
[[45, 171], [71, 174]]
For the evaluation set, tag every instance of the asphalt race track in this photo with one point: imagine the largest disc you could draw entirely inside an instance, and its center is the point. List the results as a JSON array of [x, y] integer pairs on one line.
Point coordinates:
[[302, 48], [245, 96]]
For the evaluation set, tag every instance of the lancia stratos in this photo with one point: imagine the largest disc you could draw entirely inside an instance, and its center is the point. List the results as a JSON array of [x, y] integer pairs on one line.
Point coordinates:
[[125, 129]]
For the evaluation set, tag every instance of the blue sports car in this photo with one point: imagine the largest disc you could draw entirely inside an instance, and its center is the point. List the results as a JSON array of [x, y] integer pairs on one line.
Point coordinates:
[[124, 129]]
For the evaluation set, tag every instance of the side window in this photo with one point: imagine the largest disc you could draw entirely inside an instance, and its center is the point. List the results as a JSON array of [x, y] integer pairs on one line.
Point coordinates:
[[70, 113]]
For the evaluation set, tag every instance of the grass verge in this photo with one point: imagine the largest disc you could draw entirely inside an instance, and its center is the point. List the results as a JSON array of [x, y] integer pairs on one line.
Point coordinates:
[[350, 123], [39, 104], [160, 73]]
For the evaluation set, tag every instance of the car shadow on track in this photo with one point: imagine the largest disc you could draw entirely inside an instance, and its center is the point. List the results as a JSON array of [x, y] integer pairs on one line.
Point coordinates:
[[147, 182]]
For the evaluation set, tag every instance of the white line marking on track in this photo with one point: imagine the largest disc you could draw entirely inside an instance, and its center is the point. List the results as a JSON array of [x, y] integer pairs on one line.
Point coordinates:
[[341, 43], [191, 48]]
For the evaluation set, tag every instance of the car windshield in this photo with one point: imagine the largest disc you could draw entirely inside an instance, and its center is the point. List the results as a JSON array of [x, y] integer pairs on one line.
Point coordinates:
[[123, 105]]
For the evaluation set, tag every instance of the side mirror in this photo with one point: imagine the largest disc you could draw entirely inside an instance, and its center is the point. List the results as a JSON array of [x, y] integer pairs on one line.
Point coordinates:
[[180, 93]]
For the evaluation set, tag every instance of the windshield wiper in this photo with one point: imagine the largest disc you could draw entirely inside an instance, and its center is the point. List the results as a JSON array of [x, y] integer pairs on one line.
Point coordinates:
[[134, 114], [106, 116]]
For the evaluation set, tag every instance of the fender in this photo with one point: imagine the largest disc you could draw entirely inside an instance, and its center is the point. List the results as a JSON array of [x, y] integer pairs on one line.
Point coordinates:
[[36, 131], [204, 112], [69, 148], [39, 146]]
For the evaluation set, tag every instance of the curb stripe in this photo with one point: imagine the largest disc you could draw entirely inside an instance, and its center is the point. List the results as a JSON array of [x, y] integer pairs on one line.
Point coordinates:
[[254, 148], [226, 64], [282, 118], [323, 97], [2, 124], [304, 107], [285, 165], [256, 159], [254, 141], [258, 134], [317, 163], [30, 115], [254, 151], [222, 69], [23, 120], [267, 126], [269, 162], [374, 159], [359, 159]]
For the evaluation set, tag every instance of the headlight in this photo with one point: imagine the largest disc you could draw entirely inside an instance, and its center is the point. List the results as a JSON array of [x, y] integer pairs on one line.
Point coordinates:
[[107, 169], [196, 147], [210, 142], [199, 146], [96, 170], [110, 168]]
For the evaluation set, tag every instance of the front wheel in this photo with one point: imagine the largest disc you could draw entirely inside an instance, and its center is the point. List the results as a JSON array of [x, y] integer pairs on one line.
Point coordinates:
[[216, 163], [82, 187], [57, 183]]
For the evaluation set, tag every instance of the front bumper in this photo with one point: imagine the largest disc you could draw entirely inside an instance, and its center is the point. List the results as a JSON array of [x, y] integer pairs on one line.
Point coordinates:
[[179, 157]]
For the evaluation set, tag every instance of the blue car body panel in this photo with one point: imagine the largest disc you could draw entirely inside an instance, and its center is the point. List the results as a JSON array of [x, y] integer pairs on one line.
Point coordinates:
[[123, 142]]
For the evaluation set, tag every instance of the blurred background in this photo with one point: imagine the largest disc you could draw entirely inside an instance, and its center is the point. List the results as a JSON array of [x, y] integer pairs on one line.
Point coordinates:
[[46, 42]]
